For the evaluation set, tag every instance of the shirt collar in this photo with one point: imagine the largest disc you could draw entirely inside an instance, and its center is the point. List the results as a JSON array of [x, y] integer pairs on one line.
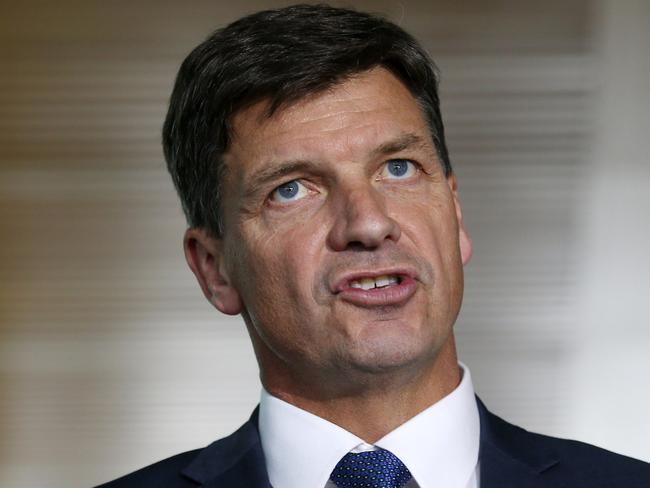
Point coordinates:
[[301, 449], [439, 445]]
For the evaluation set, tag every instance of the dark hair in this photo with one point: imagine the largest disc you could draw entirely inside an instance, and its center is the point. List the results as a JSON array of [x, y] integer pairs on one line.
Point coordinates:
[[278, 55]]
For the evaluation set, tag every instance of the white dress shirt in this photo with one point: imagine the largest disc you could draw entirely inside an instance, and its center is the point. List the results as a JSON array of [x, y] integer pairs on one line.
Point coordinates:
[[439, 446]]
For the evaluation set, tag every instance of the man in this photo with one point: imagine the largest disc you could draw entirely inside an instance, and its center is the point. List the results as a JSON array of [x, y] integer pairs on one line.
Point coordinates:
[[308, 150]]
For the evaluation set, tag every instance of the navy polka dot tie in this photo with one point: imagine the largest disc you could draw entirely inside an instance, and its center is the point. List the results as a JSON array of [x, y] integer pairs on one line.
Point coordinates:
[[371, 469]]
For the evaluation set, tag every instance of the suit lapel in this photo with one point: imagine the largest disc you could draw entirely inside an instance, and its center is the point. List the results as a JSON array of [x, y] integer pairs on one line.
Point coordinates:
[[509, 456], [236, 460]]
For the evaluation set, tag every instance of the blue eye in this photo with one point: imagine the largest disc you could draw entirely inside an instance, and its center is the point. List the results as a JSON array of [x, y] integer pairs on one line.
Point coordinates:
[[398, 168], [289, 191]]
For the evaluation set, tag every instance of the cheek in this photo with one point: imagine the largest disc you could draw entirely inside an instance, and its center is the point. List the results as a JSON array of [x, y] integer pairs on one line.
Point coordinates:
[[277, 276], [432, 231], [432, 227], [280, 271]]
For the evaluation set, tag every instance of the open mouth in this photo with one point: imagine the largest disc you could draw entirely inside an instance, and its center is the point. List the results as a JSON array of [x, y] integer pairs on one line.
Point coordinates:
[[377, 282], [384, 288]]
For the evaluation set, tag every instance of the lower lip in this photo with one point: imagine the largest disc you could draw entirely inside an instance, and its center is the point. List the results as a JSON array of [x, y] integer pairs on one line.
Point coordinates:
[[397, 294]]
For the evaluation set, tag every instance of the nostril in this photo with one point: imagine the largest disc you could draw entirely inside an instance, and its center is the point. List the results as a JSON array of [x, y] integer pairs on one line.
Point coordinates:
[[359, 246]]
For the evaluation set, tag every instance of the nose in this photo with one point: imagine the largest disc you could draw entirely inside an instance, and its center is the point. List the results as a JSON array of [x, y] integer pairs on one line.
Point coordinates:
[[361, 220]]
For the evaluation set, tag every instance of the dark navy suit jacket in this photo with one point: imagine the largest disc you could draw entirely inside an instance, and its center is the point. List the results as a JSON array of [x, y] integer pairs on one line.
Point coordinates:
[[510, 457]]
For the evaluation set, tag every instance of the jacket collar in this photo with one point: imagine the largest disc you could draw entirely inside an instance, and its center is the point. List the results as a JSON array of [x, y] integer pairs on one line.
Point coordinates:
[[236, 460], [510, 456]]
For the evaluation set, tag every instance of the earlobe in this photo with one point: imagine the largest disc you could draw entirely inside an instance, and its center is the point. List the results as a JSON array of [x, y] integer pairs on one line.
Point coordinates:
[[465, 244], [464, 241], [205, 257]]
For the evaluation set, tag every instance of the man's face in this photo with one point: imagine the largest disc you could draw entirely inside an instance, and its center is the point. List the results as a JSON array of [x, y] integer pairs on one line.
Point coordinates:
[[342, 240]]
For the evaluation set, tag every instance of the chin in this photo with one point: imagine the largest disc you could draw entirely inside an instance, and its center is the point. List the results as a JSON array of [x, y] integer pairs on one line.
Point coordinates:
[[386, 355]]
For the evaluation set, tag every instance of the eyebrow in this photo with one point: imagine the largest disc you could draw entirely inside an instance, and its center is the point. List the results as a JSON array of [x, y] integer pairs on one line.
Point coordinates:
[[273, 172], [402, 142]]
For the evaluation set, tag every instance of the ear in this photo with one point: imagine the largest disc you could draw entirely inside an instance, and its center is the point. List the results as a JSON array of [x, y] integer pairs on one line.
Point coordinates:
[[204, 254], [463, 238]]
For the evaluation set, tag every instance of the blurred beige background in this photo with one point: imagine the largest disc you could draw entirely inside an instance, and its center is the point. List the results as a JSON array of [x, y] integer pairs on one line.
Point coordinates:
[[111, 359]]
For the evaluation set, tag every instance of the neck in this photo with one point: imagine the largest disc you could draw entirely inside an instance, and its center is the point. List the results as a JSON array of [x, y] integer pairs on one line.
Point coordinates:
[[374, 408]]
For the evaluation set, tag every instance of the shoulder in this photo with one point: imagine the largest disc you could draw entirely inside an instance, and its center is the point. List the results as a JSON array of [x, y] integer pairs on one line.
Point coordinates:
[[585, 462], [236, 460], [560, 460], [167, 473]]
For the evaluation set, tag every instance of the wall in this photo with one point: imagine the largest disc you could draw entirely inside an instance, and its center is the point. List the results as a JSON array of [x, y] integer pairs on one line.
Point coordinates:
[[109, 356]]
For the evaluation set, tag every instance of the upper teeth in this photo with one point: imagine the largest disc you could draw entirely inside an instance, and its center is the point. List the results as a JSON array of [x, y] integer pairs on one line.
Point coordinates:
[[378, 282]]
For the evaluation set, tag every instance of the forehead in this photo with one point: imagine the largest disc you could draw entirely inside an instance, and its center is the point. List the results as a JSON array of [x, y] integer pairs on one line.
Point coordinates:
[[356, 114]]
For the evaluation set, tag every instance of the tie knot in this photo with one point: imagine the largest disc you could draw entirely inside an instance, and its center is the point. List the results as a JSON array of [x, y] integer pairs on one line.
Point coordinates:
[[370, 469]]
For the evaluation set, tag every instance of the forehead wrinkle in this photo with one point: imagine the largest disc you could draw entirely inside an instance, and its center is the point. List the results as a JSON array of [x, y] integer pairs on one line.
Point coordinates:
[[328, 122], [338, 113], [355, 144], [338, 142]]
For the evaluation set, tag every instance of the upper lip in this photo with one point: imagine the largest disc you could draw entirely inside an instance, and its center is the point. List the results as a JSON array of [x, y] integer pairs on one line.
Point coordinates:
[[343, 281]]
